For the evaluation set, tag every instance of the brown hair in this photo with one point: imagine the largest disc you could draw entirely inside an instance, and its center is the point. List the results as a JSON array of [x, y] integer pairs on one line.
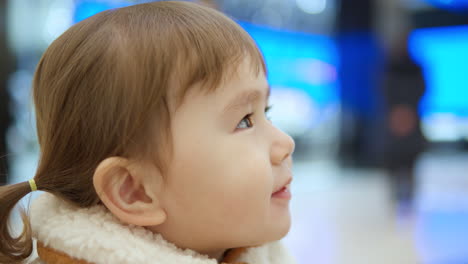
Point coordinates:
[[106, 86]]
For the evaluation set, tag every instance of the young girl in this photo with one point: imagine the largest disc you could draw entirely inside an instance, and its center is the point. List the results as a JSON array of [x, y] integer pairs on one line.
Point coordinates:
[[155, 145]]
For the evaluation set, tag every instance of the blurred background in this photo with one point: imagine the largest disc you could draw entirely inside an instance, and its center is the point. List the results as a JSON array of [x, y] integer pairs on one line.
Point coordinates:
[[375, 93]]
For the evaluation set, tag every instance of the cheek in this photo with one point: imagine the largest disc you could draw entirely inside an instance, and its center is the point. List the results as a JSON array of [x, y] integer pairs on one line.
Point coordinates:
[[224, 180], [248, 187], [244, 197], [225, 185]]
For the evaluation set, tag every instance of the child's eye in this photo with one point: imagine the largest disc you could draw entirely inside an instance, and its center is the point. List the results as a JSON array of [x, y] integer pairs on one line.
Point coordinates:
[[246, 122]]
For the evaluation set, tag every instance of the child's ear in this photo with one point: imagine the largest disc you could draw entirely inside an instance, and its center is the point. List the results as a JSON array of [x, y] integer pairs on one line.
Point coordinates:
[[127, 191]]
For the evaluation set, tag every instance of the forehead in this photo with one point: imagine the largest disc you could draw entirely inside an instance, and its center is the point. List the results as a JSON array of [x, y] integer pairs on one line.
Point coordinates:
[[243, 88], [237, 79], [242, 80]]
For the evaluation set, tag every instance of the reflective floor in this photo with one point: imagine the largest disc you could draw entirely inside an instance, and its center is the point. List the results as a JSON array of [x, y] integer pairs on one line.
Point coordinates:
[[346, 216]]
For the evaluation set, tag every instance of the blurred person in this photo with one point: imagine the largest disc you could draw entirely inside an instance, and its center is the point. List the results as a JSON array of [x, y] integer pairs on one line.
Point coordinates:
[[404, 86], [155, 146]]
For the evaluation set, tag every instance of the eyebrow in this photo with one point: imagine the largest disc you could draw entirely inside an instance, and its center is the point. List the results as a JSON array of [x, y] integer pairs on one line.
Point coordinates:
[[246, 97]]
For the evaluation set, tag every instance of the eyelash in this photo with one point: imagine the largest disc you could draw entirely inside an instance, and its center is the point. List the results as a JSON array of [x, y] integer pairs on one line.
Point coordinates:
[[249, 116]]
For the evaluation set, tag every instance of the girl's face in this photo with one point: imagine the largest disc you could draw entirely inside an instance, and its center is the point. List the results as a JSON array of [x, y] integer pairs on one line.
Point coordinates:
[[228, 161]]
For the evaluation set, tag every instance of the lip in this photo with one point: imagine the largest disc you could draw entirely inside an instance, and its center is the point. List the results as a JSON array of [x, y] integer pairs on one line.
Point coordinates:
[[289, 180], [283, 192]]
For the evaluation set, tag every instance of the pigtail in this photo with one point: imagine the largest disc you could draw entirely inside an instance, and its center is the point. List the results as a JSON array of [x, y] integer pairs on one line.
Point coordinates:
[[14, 249]]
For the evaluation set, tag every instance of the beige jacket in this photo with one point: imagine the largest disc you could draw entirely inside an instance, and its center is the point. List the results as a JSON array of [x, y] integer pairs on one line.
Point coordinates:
[[69, 235]]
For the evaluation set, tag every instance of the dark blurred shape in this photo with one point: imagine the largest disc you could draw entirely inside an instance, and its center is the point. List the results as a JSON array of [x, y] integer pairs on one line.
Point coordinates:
[[5, 70], [403, 88], [355, 15], [439, 18], [360, 65]]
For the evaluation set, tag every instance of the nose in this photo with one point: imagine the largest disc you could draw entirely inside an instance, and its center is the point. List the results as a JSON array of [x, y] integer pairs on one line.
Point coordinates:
[[282, 146]]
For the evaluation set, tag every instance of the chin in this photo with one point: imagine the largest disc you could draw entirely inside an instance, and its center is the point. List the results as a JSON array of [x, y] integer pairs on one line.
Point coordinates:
[[284, 230], [283, 224], [277, 228], [280, 229], [273, 234]]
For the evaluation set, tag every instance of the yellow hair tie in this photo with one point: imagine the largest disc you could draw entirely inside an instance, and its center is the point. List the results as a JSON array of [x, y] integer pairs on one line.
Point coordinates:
[[33, 185]]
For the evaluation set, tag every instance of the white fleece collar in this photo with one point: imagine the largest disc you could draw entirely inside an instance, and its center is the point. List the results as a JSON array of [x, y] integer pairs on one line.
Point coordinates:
[[95, 235]]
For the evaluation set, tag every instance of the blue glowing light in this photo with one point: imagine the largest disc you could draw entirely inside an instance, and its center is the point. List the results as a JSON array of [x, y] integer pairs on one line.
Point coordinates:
[[299, 61], [450, 4], [443, 54], [87, 8]]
